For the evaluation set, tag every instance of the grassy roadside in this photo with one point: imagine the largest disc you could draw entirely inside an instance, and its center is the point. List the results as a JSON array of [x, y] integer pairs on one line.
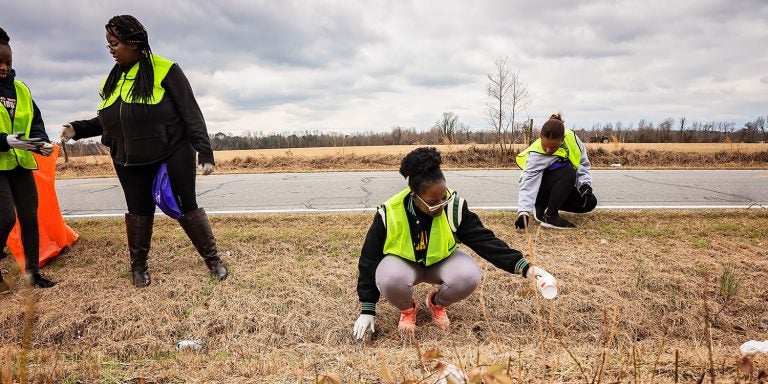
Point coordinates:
[[633, 287], [602, 156]]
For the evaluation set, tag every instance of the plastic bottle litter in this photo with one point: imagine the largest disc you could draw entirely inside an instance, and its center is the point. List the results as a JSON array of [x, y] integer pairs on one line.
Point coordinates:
[[753, 346], [190, 345]]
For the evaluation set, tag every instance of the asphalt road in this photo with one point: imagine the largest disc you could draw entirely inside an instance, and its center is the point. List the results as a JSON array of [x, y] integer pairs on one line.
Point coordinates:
[[483, 189]]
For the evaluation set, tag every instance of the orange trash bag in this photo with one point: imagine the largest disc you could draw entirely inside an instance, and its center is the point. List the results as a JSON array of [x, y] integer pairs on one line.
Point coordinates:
[[55, 235]]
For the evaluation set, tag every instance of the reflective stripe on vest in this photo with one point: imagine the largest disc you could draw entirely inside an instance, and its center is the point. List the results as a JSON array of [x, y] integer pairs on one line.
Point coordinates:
[[22, 122], [124, 85], [399, 242], [570, 150]]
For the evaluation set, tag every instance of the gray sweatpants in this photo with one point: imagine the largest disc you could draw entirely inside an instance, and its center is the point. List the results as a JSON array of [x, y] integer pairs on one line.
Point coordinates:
[[458, 275]]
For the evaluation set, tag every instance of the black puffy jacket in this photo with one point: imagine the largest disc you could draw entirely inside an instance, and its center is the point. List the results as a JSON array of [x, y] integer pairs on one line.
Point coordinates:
[[139, 134]]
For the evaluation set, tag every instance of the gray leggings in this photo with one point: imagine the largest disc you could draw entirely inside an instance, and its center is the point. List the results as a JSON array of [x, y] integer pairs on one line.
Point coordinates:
[[458, 275]]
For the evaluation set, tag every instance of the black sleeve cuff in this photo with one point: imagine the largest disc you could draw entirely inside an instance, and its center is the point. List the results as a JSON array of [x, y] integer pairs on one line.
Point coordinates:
[[204, 157], [368, 309]]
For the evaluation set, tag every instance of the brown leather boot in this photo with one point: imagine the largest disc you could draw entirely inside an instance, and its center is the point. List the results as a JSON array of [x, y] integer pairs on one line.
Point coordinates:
[[198, 229], [139, 231]]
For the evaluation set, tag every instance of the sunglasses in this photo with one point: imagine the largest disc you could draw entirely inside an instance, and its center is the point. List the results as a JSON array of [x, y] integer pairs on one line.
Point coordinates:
[[433, 208]]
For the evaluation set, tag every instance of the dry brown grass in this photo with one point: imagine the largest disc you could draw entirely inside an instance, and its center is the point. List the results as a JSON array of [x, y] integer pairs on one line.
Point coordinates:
[[633, 288], [646, 156]]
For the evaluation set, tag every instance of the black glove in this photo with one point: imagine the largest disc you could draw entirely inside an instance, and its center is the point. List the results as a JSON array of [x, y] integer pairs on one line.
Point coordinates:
[[585, 190], [522, 220]]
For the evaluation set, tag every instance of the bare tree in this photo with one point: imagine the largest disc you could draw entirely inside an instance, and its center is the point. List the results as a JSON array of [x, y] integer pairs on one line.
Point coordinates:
[[447, 126], [665, 130], [528, 132], [397, 134], [508, 98], [758, 126]]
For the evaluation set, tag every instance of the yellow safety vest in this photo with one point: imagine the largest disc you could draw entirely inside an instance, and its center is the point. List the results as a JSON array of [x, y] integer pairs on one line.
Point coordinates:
[[124, 86], [399, 242], [570, 150], [22, 122]]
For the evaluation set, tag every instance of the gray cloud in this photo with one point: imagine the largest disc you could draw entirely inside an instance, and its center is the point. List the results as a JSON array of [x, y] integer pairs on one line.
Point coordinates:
[[367, 65]]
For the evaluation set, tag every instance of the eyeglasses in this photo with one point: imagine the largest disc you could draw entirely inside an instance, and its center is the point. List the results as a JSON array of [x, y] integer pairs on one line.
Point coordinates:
[[433, 208], [112, 46]]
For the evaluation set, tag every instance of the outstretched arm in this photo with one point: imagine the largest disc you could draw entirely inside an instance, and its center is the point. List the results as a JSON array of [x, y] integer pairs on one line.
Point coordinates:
[[485, 243], [81, 129]]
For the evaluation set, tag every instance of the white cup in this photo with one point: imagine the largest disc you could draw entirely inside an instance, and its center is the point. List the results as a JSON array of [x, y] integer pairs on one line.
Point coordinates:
[[547, 285]]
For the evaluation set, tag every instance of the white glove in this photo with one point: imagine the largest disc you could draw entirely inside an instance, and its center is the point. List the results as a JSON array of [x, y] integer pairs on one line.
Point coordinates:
[[361, 326], [67, 133], [46, 149], [207, 168], [753, 346], [15, 141]]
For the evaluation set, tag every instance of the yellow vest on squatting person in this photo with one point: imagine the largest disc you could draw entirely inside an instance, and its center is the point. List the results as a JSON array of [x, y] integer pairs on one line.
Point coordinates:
[[442, 242], [568, 150], [124, 86], [22, 122]]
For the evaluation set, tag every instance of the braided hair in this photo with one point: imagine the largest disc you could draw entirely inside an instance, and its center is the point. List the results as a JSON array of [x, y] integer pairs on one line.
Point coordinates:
[[422, 168], [554, 127], [128, 30], [4, 39]]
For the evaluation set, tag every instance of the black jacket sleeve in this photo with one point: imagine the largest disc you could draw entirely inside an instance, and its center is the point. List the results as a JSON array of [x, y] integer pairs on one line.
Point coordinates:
[[38, 126], [86, 128], [370, 257], [177, 86], [485, 243]]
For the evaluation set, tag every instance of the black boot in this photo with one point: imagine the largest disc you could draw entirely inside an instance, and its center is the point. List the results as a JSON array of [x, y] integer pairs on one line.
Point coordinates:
[[35, 279], [198, 229], [139, 231], [32, 276]]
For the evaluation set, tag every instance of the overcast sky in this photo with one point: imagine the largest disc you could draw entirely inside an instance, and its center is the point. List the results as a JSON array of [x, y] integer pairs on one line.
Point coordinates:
[[354, 66]]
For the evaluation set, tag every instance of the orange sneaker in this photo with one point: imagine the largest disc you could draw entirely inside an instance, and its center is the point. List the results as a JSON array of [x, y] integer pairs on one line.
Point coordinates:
[[439, 314], [407, 322]]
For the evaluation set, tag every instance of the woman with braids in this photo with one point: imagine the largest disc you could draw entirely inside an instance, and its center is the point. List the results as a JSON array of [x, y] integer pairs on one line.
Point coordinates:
[[22, 132], [148, 117], [555, 177], [415, 238]]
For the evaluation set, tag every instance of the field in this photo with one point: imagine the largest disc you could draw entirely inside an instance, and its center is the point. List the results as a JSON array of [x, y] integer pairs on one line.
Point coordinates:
[[645, 156], [659, 296], [651, 296]]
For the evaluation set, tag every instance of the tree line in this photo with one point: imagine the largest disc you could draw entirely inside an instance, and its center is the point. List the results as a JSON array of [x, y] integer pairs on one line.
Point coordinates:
[[449, 130]]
